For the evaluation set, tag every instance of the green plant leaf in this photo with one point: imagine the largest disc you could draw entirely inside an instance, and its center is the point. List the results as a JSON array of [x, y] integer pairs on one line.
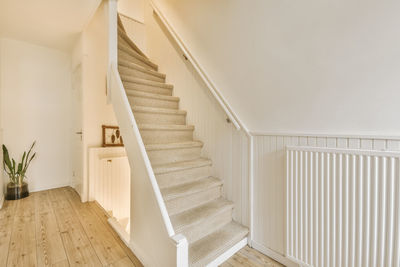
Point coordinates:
[[6, 159]]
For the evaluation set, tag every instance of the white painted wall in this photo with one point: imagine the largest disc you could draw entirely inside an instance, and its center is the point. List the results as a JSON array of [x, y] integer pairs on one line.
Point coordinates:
[[2, 180], [329, 66], [132, 8], [35, 105], [91, 50]]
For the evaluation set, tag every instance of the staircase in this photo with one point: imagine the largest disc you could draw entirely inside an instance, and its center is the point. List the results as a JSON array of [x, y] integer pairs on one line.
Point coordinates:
[[192, 197]]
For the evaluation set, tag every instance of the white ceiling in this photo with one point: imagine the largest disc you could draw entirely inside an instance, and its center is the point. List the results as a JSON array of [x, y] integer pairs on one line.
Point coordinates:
[[52, 23]]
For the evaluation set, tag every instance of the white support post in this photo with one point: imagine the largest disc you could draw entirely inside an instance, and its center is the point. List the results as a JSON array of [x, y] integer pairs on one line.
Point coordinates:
[[112, 10]]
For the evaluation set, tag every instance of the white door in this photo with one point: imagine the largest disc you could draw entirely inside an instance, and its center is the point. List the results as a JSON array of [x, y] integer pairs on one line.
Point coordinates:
[[77, 134]]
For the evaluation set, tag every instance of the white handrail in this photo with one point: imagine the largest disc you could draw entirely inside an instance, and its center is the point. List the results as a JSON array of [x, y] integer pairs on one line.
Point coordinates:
[[202, 73]]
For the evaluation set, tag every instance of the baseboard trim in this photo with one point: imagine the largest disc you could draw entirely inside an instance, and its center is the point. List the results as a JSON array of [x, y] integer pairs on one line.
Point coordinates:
[[119, 230], [49, 187], [229, 253], [274, 255], [126, 239]]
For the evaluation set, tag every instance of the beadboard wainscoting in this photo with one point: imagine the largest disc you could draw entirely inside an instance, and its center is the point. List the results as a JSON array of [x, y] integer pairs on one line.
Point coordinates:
[[269, 179], [109, 182]]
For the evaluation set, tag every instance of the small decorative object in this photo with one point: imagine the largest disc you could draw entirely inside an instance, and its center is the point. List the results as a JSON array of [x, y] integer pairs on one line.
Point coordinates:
[[17, 188], [112, 136]]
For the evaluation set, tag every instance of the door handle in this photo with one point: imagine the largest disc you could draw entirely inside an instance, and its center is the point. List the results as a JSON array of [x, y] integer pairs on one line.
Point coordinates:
[[79, 132]]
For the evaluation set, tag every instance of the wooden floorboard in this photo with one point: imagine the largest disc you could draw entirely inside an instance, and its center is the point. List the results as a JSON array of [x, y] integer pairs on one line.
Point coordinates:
[[22, 250], [54, 228], [248, 257], [50, 248], [6, 225]]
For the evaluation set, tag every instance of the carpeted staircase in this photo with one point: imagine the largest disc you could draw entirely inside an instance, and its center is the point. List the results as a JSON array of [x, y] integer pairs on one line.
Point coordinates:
[[192, 197]]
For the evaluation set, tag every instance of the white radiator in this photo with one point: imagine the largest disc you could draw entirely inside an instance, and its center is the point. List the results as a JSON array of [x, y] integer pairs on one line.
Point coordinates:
[[109, 182], [342, 207]]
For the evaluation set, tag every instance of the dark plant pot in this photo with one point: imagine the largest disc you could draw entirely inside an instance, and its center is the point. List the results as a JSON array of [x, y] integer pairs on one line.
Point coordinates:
[[17, 191]]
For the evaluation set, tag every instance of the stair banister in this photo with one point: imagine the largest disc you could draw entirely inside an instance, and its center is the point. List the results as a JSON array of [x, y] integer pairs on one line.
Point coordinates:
[[152, 237], [200, 70]]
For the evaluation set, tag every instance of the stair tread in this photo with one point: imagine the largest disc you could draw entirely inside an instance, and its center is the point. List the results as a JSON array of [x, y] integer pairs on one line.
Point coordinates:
[[132, 65], [190, 188], [188, 144], [136, 93], [129, 50], [199, 214], [166, 127], [126, 78], [145, 109], [178, 166], [125, 55], [213, 245]]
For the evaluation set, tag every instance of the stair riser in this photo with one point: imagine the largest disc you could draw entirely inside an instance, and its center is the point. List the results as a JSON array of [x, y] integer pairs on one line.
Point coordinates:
[[151, 102], [129, 50], [166, 136], [159, 118], [139, 74], [181, 204], [183, 176], [125, 56], [174, 155], [199, 231], [147, 88]]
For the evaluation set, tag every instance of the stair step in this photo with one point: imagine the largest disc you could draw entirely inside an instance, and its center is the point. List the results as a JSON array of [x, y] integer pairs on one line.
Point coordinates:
[[186, 196], [200, 221], [174, 152], [123, 41], [165, 133], [122, 34], [131, 83], [126, 78], [135, 70], [129, 52], [213, 245], [122, 55], [177, 173], [152, 115], [140, 98]]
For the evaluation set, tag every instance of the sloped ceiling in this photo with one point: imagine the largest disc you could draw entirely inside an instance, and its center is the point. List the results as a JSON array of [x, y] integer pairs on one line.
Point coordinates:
[[52, 23]]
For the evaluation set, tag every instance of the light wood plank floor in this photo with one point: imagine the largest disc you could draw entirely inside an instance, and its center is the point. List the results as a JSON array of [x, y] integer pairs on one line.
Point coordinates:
[[53, 228], [248, 257]]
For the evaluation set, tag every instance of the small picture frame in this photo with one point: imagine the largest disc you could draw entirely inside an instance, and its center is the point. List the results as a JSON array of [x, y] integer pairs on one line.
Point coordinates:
[[112, 136]]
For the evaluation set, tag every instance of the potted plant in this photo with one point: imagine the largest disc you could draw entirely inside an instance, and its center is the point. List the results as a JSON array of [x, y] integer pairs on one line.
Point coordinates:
[[17, 188]]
